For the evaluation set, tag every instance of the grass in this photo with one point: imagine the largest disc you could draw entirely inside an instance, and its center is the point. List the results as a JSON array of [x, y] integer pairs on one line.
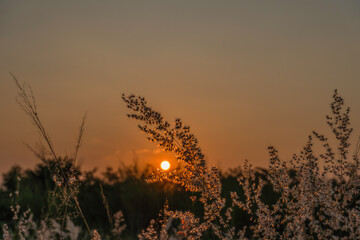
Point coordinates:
[[316, 193]]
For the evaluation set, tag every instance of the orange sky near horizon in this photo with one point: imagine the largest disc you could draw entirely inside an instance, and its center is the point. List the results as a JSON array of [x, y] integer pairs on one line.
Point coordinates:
[[242, 74]]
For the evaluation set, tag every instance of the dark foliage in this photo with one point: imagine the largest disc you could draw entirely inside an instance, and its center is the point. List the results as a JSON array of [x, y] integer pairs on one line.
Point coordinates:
[[125, 189]]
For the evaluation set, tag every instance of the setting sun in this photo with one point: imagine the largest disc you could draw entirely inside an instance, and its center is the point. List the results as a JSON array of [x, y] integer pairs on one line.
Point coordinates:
[[165, 165]]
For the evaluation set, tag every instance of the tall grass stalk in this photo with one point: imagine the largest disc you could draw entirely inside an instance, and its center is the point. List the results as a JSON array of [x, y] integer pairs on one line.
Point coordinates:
[[315, 203], [66, 181]]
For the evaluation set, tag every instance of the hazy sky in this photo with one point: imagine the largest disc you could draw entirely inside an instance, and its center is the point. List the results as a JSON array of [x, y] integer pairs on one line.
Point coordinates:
[[242, 74]]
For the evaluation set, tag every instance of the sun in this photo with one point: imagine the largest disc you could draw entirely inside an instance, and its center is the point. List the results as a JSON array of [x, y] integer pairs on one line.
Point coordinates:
[[165, 165]]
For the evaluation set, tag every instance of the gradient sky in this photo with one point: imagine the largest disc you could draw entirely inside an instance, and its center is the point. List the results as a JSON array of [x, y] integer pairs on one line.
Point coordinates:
[[242, 74]]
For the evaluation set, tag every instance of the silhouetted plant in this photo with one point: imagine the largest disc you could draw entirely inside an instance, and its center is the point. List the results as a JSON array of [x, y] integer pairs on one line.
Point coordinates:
[[312, 196], [62, 169], [313, 203]]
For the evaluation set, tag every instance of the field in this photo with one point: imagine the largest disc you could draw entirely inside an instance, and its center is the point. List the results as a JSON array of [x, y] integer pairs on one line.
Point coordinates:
[[315, 195]]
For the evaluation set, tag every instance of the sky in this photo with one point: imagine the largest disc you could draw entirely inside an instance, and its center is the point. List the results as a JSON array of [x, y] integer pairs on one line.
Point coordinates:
[[243, 74]]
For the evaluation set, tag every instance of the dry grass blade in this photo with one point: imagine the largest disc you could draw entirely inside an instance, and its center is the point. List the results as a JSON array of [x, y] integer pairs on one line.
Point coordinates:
[[26, 101], [106, 204], [79, 139], [68, 190]]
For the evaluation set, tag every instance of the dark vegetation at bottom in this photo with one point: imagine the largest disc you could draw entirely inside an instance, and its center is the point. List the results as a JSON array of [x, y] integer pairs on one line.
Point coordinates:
[[124, 188]]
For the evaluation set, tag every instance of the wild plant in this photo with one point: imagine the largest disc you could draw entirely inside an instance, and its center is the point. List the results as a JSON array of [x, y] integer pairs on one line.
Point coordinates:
[[318, 192], [22, 222], [194, 176], [24, 227], [63, 169], [320, 202], [159, 229]]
